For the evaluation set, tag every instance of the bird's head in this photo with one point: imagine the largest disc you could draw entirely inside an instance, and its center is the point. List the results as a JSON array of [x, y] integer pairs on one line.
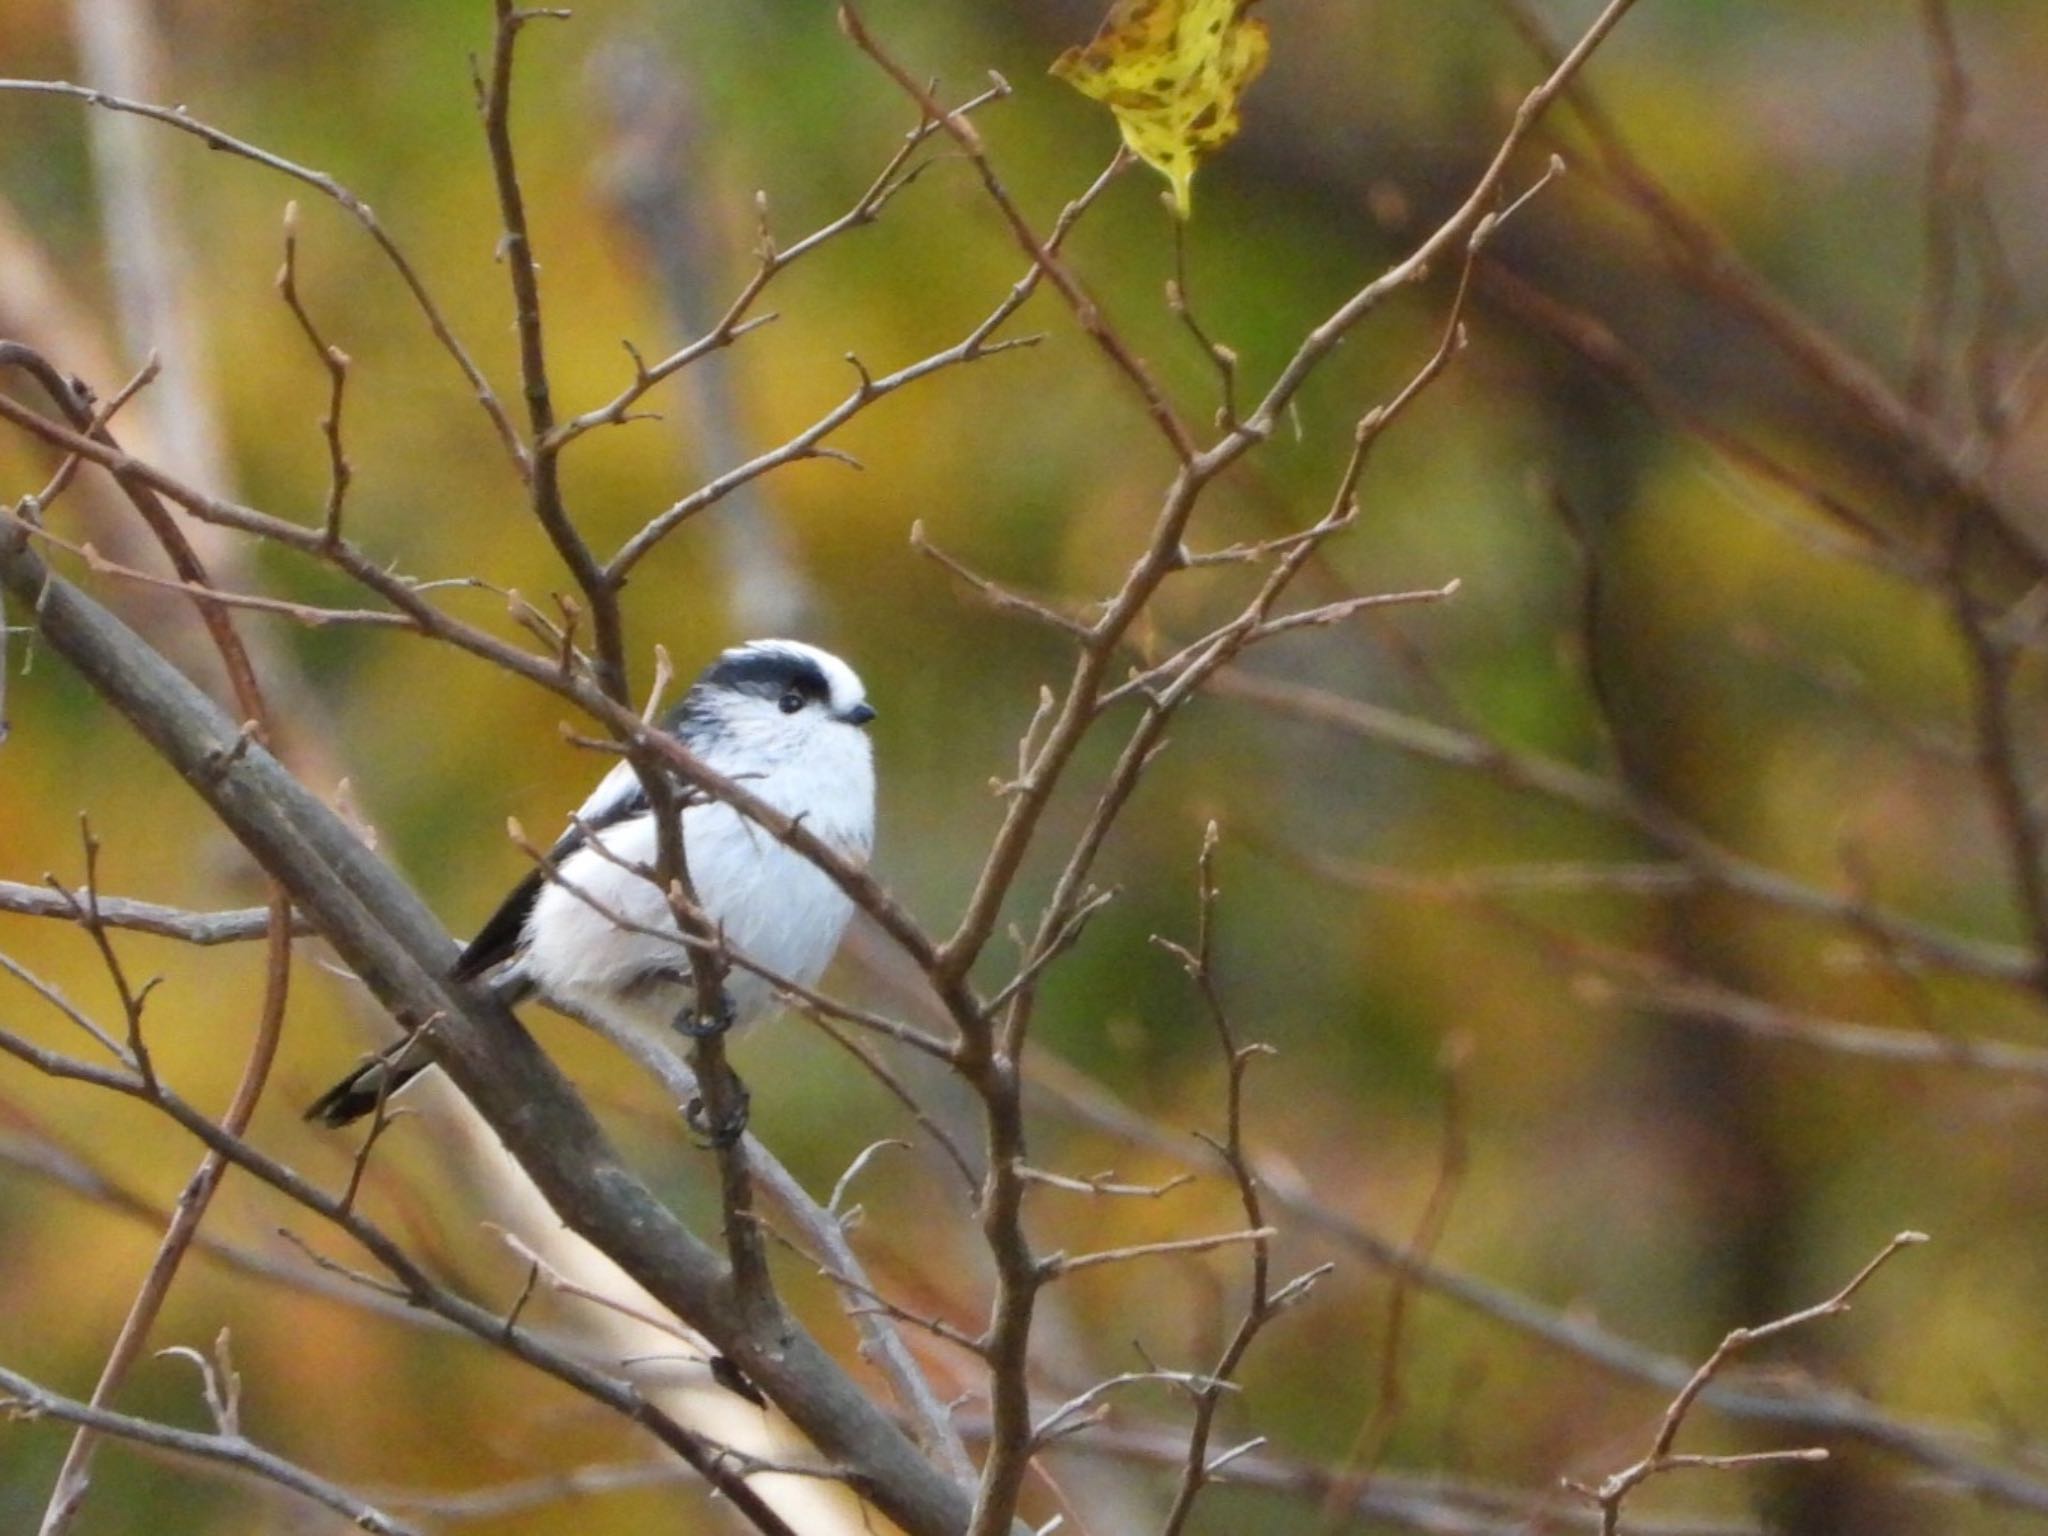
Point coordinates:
[[771, 702]]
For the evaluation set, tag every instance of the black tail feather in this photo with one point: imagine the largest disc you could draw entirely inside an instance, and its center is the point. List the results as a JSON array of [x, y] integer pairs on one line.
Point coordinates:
[[357, 1094]]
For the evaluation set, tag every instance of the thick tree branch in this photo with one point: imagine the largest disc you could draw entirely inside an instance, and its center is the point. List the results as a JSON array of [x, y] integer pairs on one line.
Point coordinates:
[[389, 939]]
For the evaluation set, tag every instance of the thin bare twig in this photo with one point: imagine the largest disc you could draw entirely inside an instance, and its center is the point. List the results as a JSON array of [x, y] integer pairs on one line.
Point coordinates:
[[1610, 1493], [1534, 773], [26, 1399], [331, 358], [37, 505], [599, 590], [309, 614], [327, 186], [1059, 1265], [1043, 253], [772, 260], [1362, 1460], [1262, 1304]]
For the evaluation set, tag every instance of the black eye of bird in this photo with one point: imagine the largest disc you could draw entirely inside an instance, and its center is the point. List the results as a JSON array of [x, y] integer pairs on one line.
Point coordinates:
[[792, 701]]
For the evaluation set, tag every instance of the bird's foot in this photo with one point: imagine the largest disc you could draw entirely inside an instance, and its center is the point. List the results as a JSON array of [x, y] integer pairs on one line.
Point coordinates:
[[722, 1133], [695, 1024]]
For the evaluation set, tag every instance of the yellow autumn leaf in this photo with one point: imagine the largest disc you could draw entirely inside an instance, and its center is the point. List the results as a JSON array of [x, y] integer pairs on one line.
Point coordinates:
[[1172, 71]]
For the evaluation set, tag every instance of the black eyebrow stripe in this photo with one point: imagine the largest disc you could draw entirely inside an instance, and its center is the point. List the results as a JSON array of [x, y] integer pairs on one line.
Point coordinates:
[[768, 673]]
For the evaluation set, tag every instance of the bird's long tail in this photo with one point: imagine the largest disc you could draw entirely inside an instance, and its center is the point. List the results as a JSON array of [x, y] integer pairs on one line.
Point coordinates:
[[377, 1079], [403, 1060]]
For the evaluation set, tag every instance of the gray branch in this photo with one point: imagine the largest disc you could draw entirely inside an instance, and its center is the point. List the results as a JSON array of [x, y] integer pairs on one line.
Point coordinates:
[[27, 1399], [240, 926]]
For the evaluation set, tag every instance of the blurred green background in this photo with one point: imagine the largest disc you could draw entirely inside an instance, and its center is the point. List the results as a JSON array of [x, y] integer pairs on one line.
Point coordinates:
[[1663, 1176]]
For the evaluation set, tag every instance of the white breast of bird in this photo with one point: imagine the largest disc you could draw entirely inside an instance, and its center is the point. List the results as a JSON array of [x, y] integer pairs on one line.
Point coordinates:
[[601, 935]]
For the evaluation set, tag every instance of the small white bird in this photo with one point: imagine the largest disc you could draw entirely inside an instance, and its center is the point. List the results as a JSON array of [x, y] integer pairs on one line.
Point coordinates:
[[783, 719]]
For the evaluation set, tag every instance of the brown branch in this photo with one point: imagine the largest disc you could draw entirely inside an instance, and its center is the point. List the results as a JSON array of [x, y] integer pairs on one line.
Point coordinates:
[[1104, 1183], [1059, 1265], [308, 614], [771, 261], [540, 1272], [1934, 319], [97, 442], [335, 361], [1614, 1489], [71, 1011], [334, 191], [808, 444], [897, 1089], [1998, 759], [598, 587], [1262, 1302], [1651, 984], [722, 1097], [1002, 599], [133, 999], [1181, 304], [1043, 253]]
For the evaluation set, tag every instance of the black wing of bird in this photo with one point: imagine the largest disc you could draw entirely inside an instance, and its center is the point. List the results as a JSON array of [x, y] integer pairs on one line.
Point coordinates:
[[500, 935], [618, 798]]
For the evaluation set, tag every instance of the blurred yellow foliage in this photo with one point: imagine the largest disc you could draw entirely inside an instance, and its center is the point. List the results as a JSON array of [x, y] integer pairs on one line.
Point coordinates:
[[1634, 1167]]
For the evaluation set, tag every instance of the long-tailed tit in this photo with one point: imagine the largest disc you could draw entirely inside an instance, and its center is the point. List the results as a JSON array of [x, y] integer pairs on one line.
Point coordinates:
[[591, 931]]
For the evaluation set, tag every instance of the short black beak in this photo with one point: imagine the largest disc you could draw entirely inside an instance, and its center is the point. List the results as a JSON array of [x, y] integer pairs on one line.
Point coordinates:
[[860, 714]]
